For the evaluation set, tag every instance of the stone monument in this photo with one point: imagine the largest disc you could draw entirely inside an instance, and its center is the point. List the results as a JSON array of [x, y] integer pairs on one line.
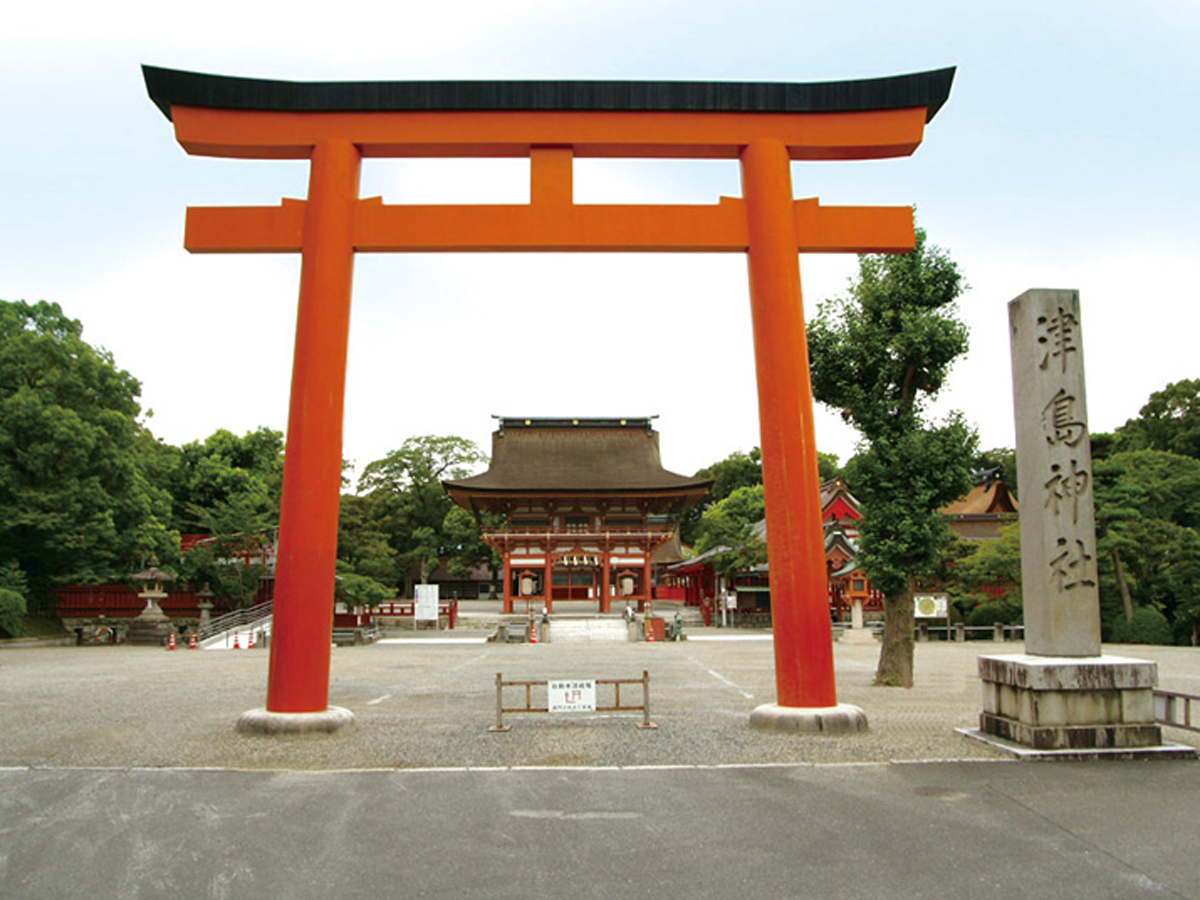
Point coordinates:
[[1062, 694]]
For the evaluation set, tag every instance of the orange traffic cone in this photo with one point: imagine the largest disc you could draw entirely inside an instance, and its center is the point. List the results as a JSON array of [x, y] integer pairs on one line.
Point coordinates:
[[236, 645], [250, 642], [171, 641], [192, 641], [533, 631]]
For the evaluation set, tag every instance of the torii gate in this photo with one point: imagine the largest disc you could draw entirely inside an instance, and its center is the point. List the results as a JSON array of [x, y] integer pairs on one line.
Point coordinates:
[[337, 124]]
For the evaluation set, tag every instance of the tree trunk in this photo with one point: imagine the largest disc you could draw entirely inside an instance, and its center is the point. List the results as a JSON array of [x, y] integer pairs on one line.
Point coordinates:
[[1122, 584], [896, 655]]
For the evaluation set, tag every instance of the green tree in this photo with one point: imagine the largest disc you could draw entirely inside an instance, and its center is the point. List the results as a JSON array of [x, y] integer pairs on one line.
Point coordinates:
[[728, 527], [1116, 500], [223, 469], [827, 466], [74, 506], [737, 470], [231, 566], [1163, 567], [1104, 444], [12, 599], [354, 589], [989, 574], [408, 501], [1169, 421], [363, 539], [880, 355], [467, 548], [1168, 485], [232, 560]]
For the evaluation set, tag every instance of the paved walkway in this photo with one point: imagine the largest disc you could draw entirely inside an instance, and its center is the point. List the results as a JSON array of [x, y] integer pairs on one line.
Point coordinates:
[[106, 788], [427, 701]]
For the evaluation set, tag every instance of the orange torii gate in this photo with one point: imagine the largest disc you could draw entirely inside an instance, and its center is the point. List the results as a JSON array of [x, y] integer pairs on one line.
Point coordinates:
[[337, 124]]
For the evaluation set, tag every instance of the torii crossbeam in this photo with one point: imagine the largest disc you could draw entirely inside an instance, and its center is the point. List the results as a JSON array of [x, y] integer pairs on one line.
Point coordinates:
[[337, 124]]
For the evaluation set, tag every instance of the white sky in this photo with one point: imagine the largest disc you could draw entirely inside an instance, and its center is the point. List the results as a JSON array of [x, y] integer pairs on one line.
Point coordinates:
[[1065, 158]]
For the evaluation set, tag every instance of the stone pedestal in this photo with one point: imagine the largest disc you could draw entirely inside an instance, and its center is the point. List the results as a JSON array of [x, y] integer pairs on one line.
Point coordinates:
[[1069, 703], [858, 636], [843, 718], [260, 721], [152, 626]]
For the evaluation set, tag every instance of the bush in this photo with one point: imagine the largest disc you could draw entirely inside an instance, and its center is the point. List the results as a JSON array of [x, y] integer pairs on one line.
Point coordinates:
[[12, 612], [996, 611], [1148, 626]]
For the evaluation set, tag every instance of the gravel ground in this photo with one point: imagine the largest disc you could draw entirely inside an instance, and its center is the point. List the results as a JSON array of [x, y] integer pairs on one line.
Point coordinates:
[[420, 704]]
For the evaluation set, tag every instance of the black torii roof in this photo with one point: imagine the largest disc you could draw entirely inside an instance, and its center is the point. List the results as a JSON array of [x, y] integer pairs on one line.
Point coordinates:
[[168, 87]]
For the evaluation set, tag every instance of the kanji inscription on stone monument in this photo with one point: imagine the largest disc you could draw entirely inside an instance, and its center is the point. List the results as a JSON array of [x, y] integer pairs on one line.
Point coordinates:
[[1058, 533]]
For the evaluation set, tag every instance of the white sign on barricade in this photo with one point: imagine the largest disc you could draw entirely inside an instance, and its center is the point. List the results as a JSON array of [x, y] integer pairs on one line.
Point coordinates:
[[571, 696], [425, 609]]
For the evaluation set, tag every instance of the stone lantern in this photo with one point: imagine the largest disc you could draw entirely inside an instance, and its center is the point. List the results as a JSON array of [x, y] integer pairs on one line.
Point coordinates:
[[152, 626], [204, 598]]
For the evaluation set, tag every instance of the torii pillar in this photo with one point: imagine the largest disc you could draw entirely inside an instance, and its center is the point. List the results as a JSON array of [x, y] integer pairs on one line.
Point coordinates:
[[336, 125]]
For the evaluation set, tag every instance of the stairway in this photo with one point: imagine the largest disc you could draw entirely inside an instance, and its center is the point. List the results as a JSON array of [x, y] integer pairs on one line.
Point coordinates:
[[593, 630]]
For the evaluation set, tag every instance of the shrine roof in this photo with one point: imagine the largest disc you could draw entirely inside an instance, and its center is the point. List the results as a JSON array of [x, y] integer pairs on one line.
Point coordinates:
[[988, 498], [173, 87], [576, 456], [833, 489]]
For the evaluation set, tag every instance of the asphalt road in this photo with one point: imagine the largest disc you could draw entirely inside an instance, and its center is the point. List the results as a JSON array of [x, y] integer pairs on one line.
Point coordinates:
[[963, 830]]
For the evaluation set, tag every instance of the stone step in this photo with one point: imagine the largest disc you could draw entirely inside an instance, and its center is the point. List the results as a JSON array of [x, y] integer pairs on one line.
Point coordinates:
[[590, 630]]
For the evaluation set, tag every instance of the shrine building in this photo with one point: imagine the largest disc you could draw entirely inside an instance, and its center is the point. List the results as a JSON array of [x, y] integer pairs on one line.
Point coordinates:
[[698, 584], [586, 503]]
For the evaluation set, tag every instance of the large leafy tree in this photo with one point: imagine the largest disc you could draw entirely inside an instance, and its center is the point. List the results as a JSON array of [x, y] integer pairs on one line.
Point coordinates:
[[231, 561], [363, 539], [1167, 485], [739, 469], [728, 527], [74, 505], [406, 500], [1164, 572], [1116, 500], [984, 577], [880, 355], [224, 474], [467, 549], [1169, 421], [1147, 514], [12, 599]]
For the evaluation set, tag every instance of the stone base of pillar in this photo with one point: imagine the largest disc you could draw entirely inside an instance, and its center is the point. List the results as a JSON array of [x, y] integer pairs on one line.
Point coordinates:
[[152, 626], [1069, 703], [858, 636], [259, 721], [841, 719]]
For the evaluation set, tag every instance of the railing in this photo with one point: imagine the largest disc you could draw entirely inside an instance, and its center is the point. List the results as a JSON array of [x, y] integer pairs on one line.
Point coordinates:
[[407, 610], [961, 632], [616, 706], [1175, 709], [363, 634], [579, 532], [117, 601], [235, 619]]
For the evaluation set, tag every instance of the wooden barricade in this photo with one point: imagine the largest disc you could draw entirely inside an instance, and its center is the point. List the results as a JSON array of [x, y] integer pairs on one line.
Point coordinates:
[[616, 706]]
